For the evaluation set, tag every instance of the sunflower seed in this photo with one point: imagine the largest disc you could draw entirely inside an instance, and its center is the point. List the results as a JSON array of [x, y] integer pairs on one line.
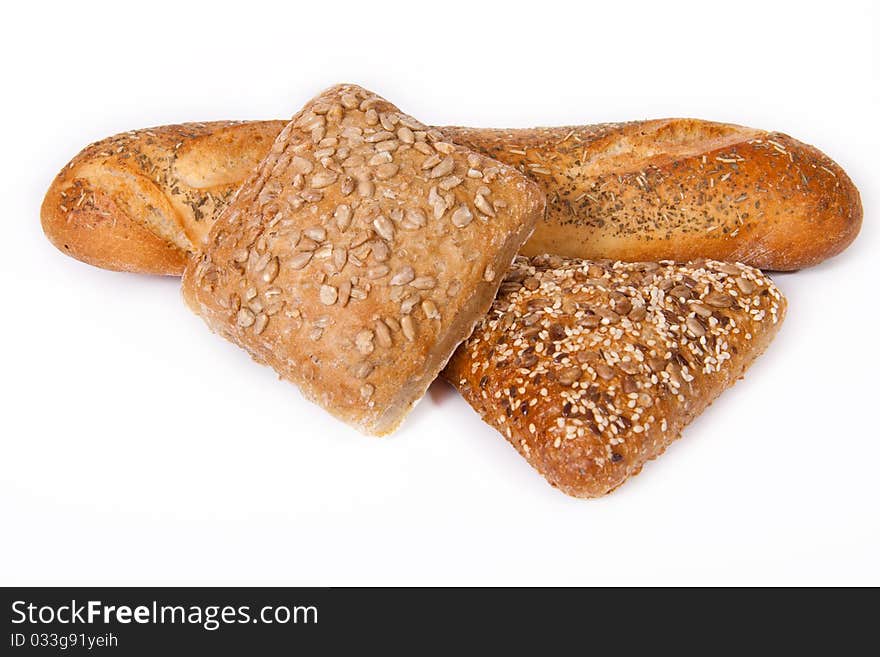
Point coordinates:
[[245, 318], [745, 285], [437, 202], [449, 182], [270, 271], [629, 366], [424, 283], [342, 215], [381, 135], [340, 257], [403, 276], [384, 227], [728, 268], [377, 272], [638, 313], [240, 255], [360, 237], [622, 306], [680, 292], [261, 262], [260, 323], [408, 327], [364, 342], [380, 250], [354, 161], [386, 171], [306, 244], [430, 309], [316, 233], [409, 303], [483, 205], [363, 369], [324, 179], [387, 146], [300, 260], [347, 186], [414, 219], [431, 161], [719, 299], [462, 216], [383, 333], [380, 158], [444, 168], [701, 310], [300, 165], [406, 135], [328, 295], [569, 375], [695, 327], [489, 274], [362, 252], [344, 293], [311, 195], [604, 371]]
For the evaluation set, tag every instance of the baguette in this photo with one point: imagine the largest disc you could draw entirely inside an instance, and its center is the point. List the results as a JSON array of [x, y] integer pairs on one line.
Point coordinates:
[[141, 200], [590, 369], [646, 190], [680, 189], [360, 254]]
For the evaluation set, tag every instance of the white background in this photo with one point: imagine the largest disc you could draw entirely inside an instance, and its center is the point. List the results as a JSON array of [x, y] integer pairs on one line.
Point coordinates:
[[138, 448]]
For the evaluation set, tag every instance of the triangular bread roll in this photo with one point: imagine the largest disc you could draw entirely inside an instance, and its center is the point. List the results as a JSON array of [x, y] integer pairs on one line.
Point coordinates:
[[590, 369]]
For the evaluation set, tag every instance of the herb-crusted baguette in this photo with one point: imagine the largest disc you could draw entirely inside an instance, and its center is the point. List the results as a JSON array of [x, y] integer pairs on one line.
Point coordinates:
[[680, 189], [590, 369], [360, 253], [644, 190], [141, 200]]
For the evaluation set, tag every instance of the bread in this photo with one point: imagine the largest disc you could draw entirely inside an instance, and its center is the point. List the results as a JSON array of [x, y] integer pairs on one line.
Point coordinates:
[[680, 189], [590, 369], [141, 200], [645, 190], [360, 254]]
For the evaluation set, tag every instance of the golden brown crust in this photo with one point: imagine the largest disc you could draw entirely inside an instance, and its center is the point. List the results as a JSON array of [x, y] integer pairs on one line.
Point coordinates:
[[645, 190], [680, 189], [85, 223], [360, 254], [590, 369], [140, 200]]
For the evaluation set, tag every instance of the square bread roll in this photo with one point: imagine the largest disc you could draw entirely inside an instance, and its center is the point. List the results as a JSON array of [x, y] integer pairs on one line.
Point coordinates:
[[590, 369], [360, 254]]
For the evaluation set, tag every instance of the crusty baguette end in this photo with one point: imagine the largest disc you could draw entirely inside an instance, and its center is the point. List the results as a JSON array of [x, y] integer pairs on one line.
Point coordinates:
[[141, 200]]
